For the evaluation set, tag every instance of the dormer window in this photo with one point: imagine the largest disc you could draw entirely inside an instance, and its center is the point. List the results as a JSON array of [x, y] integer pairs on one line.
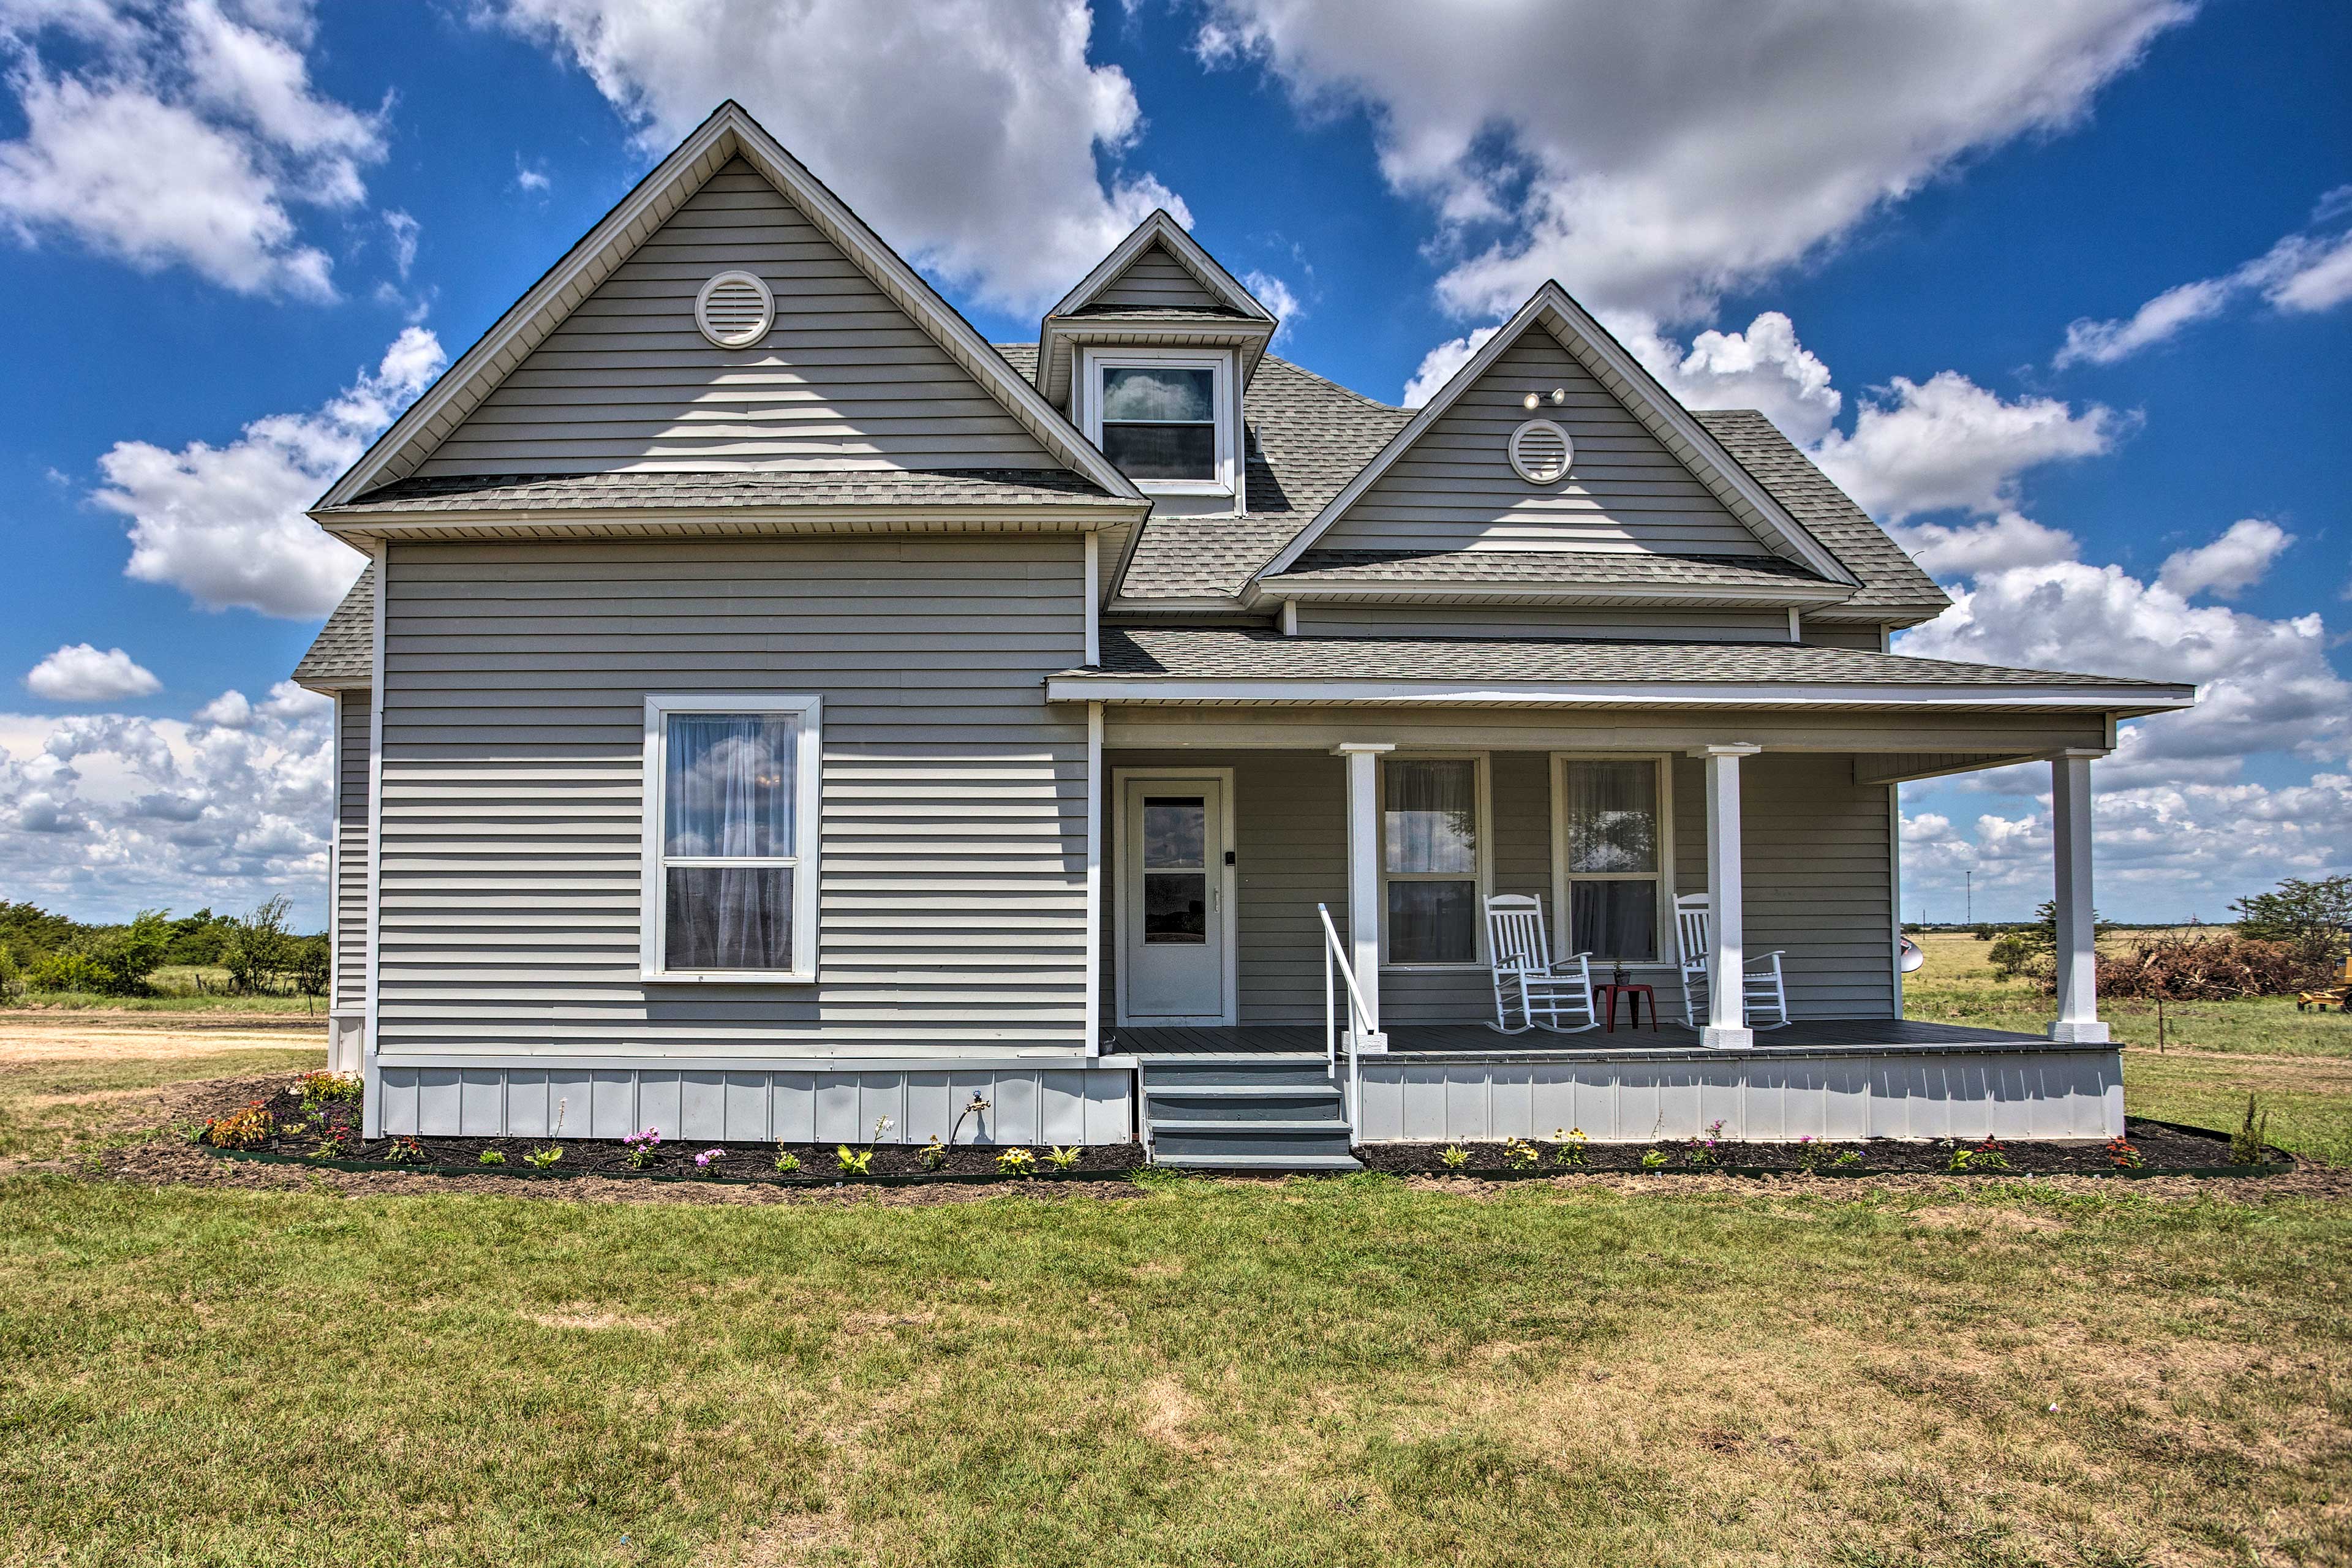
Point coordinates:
[[1164, 416]]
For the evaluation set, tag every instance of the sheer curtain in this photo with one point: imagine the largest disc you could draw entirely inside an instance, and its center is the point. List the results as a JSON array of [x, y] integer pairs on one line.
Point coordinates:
[[1612, 859], [1430, 825], [728, 795]]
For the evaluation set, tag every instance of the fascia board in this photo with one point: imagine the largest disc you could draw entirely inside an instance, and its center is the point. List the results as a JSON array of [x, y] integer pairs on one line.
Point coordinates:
[[1184, 690]]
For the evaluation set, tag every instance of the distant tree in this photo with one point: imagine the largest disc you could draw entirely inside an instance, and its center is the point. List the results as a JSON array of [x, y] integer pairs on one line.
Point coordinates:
[[126, 955], [310, 964], [259, 950], [2311, 917], [197, 940]]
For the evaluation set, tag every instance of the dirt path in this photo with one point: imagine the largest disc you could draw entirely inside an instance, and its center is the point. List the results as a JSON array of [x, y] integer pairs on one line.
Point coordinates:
[[149, 1036]]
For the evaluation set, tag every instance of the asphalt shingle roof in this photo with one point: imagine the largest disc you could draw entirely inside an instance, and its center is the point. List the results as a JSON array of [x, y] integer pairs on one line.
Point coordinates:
[[344, 650], [1252, 652], [1632, 570], [822, 487]]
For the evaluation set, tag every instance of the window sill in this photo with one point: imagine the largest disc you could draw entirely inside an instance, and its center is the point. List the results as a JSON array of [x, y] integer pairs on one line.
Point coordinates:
[[1183, 487], [727, 977]]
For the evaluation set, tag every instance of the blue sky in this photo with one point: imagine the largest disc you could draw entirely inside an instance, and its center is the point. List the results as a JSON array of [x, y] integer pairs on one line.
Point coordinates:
[[1879, 226]]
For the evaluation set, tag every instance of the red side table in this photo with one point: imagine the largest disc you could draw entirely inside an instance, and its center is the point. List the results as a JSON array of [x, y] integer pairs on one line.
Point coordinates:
[[1633, 995]]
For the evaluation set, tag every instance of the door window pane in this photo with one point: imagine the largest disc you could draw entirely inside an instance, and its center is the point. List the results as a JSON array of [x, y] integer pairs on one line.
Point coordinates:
[[1433, 922], [729, 789], [1175, 909], [1430, 812], [729, 916], [1613, 816], [1615, 920], [1175, 831]]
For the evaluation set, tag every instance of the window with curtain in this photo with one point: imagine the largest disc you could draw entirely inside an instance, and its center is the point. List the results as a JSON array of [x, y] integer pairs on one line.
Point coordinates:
[[1429, 865], [732, 855], [1611, 851]]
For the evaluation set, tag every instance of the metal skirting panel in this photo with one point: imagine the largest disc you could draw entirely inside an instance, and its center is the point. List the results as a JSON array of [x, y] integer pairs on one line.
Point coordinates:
[[2040, 1093], [346, 1042], [1032, 1106]]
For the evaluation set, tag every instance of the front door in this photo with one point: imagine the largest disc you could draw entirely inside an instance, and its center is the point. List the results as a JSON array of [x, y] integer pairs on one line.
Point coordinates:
[[1172, 887]]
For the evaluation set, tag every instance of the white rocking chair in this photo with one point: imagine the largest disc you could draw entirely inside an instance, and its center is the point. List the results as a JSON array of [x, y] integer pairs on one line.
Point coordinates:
[[1761, 994], [1543, 992]]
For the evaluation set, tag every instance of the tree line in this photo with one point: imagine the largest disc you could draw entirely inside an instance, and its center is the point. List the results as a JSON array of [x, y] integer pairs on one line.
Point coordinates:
[[262, 955]]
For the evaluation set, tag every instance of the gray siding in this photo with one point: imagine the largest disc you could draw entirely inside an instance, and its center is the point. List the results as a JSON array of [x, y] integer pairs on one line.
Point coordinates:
[[1816, 860], [1156, 281], [1839, 634], [845, 380], [1540, 621], [1456, 489], [953, 886], [350, 891]]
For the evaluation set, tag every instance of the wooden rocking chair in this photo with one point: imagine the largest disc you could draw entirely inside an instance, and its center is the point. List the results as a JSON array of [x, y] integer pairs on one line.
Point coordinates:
[[1527, 980], [1762, 993]]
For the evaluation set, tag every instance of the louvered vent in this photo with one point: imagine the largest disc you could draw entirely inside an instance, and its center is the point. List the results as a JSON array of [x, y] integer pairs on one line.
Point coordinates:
[[734, 309], [1541, 452]]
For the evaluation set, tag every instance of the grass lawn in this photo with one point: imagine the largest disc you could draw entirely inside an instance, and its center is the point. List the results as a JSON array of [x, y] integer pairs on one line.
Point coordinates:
[[1348, 1371], [176, 991], [51, 1109], [2299, 1065]]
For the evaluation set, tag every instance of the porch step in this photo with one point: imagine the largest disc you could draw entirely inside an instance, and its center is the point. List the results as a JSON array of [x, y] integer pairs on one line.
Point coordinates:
[[1254, 1112]]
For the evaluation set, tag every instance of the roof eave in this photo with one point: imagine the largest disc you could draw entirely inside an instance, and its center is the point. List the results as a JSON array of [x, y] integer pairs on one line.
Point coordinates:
[[2123, 702], [1594, 595], [1058, 337], [351, 523]]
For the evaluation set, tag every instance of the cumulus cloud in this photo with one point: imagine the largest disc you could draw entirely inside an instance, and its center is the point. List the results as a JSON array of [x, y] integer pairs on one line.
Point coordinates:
[[1277, 297], [1946, 444], [1946, 551], [1438, 365], [80, 673], [2230, 565], [1649, 157], [1764, 368], [2304, 273], [227, 523], [180, 135], [113, 813], [967, 132]]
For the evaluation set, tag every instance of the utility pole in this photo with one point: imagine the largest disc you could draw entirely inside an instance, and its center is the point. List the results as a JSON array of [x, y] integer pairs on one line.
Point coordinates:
[[1969, 893]]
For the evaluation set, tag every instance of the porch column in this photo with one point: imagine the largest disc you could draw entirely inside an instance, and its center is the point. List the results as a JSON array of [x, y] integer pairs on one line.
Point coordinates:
[[1727, 962], [1364, 872], [2078, 963]]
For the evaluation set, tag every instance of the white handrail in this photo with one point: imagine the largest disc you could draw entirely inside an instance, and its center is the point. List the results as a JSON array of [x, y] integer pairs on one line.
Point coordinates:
[[1359, 1018]]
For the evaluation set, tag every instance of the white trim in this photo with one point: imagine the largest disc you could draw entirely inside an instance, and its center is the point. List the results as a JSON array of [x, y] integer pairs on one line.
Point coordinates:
[[2071, 822], [1894, 888], [1482, 851], [1596, 592], [1363, 808], [1563, 933], [1796, 624], [1290, 618], [1727, 990], [1225, 871], [335, 871], [1197, 691], [728, 132], [1092, 608], [703, 521], [1519, 460], [1093, 877], [1622, 375], [371, 1070], [744, 340], [808, 834], [1094, 364]]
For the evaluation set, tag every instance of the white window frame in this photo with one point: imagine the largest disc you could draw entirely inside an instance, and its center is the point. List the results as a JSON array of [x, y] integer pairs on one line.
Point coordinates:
[[1563, 932], [1095, 364], [1484, 875], [807, 835]]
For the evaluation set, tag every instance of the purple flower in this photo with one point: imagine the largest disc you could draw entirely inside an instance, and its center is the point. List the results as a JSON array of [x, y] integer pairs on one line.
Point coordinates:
[[708, 1158]]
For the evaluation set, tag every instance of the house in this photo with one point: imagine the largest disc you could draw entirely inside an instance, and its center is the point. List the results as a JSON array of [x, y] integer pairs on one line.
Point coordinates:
[[770, 708]]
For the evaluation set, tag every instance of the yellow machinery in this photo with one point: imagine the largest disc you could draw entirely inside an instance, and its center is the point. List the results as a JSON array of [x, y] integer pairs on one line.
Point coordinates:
[[2337, 996]]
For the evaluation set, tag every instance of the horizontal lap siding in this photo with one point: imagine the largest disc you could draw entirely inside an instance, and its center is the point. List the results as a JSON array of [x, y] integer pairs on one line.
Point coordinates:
[[1456, 489], [1155, 281], [1516, 621], [351, 716], [844, 379], [1841, 634], [952, 892]]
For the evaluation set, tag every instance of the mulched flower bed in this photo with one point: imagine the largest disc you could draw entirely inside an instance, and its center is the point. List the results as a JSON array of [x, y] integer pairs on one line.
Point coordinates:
[[2161, 1148], [300, 1131]]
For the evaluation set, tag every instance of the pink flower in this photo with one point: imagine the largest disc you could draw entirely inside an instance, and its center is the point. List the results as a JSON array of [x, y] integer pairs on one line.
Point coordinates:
[[708, 1158]]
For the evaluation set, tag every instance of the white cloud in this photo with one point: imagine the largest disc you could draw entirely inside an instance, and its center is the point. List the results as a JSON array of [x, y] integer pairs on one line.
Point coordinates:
[[1764, 368], [530, 179], [1948, 550], [1649, 157], [2230, 565], [227, 523], [80, 673], [113, 813], [180, 135], [1946, 444], [967, 132], [1277, 297], [1438, 365], [404, 230], [2302, 274]]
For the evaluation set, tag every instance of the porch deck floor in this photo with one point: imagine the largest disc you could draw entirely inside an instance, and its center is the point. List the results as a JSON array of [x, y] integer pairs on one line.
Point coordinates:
[[1836, 1035]]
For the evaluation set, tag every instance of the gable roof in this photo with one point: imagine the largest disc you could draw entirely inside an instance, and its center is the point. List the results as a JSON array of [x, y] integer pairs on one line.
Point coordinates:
[[343, 653], [730, 132], [1233, 317], [1166, 233], [1690, 442]]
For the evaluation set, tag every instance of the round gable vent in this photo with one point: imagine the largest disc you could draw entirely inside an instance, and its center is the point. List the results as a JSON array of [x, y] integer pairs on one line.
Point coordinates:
[[1541, 452], [735, 310]]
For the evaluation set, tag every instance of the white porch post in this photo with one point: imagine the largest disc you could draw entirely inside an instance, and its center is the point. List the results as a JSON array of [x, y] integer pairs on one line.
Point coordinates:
[[1364, 874], [2078, 963], [1726, 964]]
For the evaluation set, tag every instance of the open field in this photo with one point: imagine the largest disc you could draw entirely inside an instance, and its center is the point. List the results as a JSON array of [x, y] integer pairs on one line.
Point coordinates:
[[176, 990], [2299, 1064], [71, 1084]]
